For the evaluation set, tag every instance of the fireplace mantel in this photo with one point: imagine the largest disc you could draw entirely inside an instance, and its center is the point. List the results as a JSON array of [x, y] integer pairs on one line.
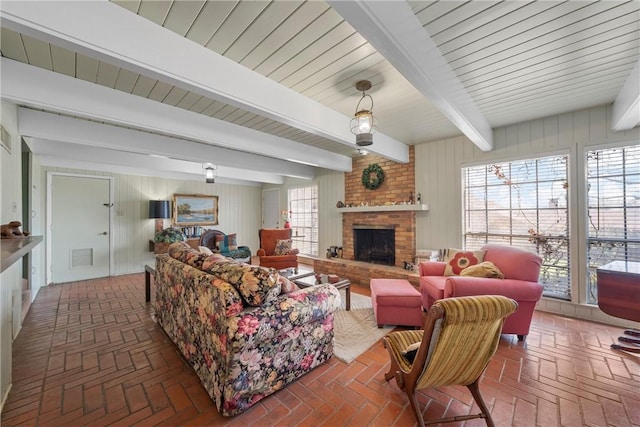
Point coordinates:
[[385, 208]]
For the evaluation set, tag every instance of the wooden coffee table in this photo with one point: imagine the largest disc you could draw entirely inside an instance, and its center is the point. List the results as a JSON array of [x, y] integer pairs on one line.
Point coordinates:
[[306, 280]]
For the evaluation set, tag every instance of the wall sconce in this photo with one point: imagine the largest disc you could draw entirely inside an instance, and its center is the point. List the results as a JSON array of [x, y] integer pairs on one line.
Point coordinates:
[[209, 173], [363, 125], [159, 210]]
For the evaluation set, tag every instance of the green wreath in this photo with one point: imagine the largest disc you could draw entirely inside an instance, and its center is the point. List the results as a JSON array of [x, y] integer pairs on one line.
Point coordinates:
[[369, 183]]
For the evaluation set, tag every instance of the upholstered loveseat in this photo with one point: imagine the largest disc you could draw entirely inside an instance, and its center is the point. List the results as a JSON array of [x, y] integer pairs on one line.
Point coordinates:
[[520, 269], [242, 335]]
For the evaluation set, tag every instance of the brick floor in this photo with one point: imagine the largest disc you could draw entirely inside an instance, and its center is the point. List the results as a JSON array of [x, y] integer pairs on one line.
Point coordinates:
[[89, 353]]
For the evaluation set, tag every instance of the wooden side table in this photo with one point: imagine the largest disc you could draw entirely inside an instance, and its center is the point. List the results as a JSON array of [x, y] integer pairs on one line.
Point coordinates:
[[148, 271]]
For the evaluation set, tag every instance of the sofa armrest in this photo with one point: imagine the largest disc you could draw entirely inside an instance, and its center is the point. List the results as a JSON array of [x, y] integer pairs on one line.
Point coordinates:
[[519, 290], [293, 251], [432, 268], [261, 252], [284, 315]]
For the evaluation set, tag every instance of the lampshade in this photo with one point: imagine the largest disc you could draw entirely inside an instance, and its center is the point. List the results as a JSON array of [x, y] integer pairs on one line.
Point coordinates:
[[159, 209], [363, 124]]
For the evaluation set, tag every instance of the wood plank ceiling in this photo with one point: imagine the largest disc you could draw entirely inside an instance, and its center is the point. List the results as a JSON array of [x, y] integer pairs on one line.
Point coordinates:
[[517, 60]]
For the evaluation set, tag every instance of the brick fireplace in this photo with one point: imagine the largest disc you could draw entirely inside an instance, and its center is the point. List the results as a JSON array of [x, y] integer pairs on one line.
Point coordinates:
[[398, 187], [404, 223]]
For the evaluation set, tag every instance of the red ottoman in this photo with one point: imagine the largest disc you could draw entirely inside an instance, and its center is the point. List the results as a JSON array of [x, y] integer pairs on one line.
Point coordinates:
[[396, 302]]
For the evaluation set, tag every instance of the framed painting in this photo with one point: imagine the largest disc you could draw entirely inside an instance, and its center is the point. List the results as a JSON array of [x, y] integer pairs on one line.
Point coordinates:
[[193, 209]]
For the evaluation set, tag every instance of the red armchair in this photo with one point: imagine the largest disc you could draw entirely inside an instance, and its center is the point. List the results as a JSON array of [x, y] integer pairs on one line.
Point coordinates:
[[268, 240], [521, 270]]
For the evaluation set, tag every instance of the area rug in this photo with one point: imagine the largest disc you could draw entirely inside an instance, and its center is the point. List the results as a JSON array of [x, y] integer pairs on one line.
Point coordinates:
[[355, 330]]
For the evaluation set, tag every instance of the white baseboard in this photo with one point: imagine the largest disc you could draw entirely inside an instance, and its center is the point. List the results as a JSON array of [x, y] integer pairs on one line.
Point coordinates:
[[582, 311]]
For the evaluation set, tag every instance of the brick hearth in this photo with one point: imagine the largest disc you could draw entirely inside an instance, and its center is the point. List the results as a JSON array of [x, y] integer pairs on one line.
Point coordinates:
[[359, 272]]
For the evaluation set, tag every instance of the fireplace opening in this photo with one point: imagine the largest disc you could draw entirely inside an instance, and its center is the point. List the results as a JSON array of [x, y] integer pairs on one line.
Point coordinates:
[[375, 244]]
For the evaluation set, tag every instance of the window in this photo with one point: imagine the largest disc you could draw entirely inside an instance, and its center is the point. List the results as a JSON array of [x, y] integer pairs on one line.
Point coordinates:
[[613, 207], [303, 212], [522, 204]]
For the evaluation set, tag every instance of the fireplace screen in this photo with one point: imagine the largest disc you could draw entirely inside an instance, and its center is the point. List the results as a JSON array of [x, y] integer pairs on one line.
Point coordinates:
[[375, 244]]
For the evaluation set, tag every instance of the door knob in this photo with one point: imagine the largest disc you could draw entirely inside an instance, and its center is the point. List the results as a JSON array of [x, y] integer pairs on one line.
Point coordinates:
[[104, 233]]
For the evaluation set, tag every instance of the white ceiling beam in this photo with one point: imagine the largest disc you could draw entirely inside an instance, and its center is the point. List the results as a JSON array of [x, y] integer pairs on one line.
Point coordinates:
[[392, 29], [105, 31], [39, 88], [38, 124], [625, 113], [60, 154]]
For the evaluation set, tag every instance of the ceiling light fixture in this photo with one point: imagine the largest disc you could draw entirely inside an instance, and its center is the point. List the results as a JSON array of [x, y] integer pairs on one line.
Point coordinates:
[[209, 173], [363, 125]]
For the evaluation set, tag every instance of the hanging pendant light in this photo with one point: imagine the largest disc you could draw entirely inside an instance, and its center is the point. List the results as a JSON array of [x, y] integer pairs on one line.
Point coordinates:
[[209, 173], [363, 125]]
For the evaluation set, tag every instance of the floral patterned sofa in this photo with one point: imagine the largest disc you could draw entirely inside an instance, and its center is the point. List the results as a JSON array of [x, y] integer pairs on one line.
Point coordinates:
[[243, 335]]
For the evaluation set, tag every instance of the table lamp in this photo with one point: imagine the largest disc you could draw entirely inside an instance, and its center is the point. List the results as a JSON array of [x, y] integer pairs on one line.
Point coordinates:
[[159, 210]]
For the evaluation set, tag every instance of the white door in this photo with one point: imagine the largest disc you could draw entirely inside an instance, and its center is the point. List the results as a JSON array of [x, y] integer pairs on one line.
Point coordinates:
[[80, 218], [271, 208]]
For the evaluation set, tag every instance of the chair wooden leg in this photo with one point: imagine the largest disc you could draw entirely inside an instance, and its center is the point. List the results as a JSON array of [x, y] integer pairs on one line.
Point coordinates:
[[394, 365], [631, 336], [475, 391], [416, 408]]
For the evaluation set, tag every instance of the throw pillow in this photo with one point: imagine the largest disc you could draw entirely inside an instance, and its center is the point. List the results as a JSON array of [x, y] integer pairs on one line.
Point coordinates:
[[286, 285], [458, 260], [257, 285], [205, 250], [410, 352], [283, 247], [214, 258], [485, 269], [185, 253], [231, 242], [220, 243]]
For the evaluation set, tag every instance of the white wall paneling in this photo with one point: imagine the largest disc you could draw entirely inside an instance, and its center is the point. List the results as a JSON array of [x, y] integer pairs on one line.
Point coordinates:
[[239, 212], [438, 166], [11, 278]]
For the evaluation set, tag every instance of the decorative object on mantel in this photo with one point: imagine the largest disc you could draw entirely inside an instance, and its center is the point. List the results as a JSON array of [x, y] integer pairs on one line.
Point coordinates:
[[340, 204], [363, 125], [12, 230], [367, 180]]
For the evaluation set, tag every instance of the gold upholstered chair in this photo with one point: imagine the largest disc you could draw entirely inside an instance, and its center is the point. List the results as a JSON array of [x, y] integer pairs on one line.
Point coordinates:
[[460, 336]]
